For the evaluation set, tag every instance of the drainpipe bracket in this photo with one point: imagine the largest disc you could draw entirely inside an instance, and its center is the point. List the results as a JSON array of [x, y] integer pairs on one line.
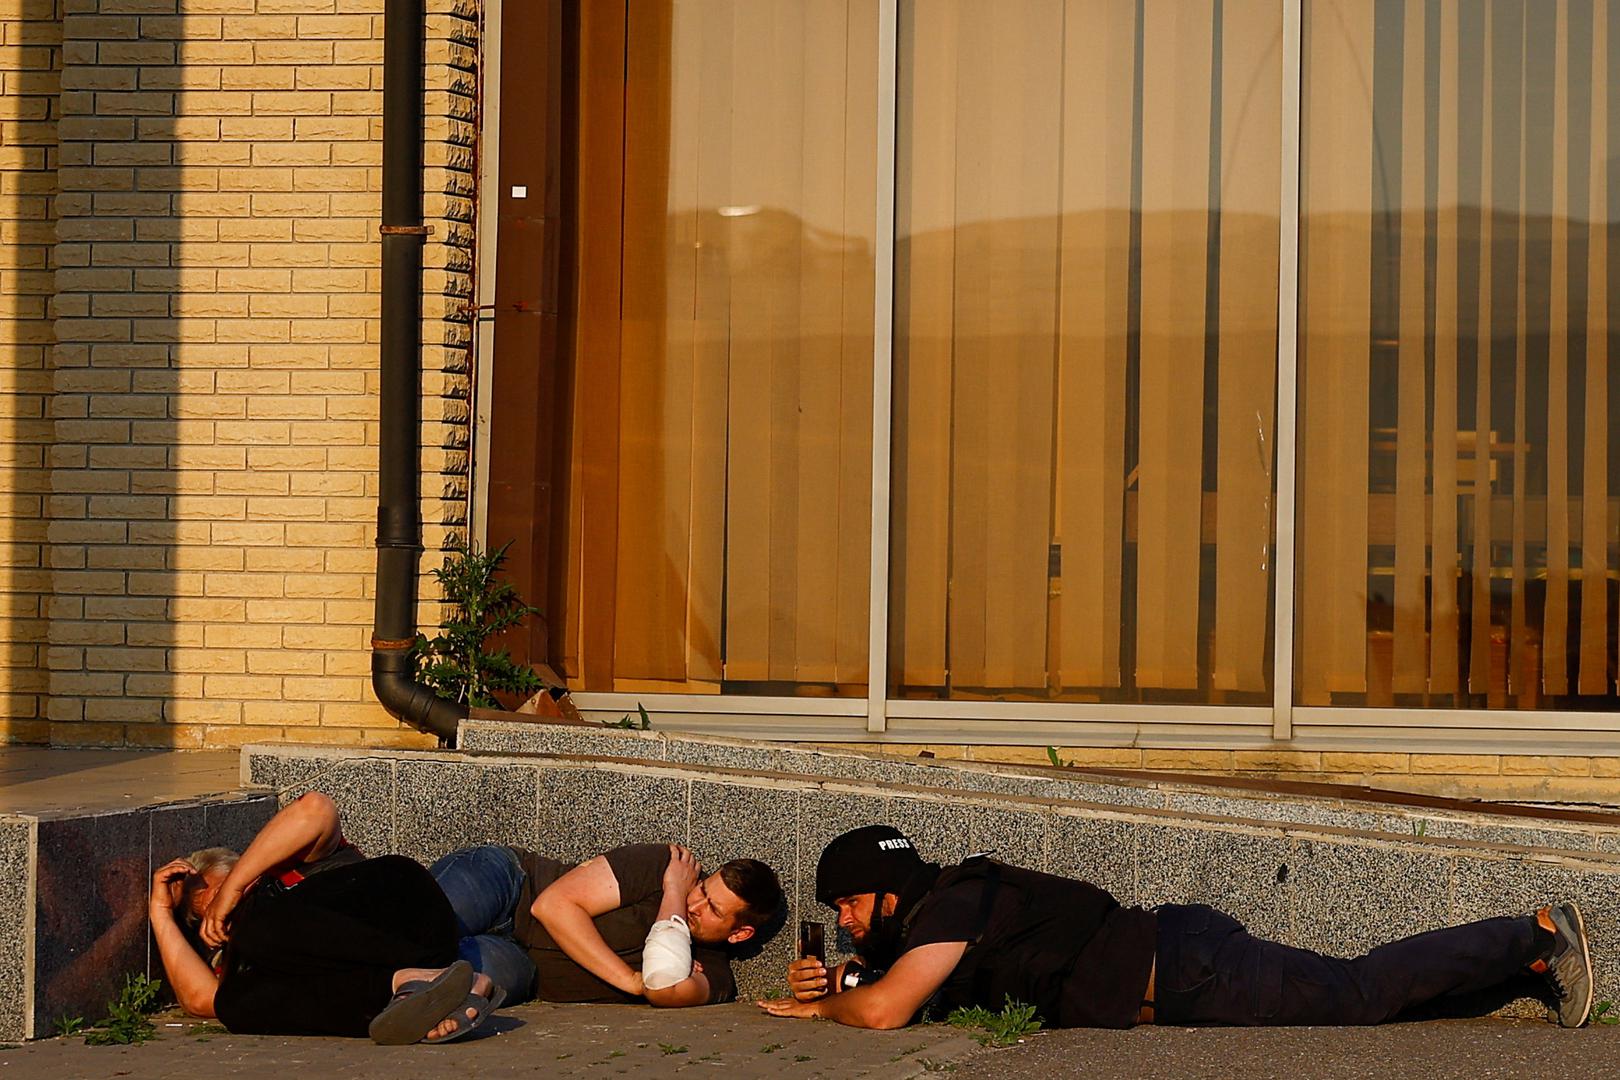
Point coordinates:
[[406, 230]]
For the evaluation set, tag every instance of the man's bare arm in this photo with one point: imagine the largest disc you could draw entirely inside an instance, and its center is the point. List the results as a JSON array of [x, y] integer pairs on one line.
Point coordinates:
[[567, 906], [193, 981], [890, 1002], [305, 830], [693, 990]]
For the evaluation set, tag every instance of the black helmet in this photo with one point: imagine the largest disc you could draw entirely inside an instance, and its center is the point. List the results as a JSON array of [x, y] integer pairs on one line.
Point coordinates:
[[873, 859]]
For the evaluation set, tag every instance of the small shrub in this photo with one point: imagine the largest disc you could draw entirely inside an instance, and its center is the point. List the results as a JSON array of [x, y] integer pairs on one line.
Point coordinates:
[[456, 663]]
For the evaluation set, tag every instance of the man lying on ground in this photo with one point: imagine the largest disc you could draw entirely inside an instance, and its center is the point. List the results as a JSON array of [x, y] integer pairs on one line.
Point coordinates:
[[309, 937], [982, 932], [640, 923]]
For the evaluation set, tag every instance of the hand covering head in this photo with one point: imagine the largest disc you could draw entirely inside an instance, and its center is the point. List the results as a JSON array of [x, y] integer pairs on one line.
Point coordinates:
[[874, 859]]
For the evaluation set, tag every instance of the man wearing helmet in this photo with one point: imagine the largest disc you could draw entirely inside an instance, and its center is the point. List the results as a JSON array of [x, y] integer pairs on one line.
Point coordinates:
[[983, 932]]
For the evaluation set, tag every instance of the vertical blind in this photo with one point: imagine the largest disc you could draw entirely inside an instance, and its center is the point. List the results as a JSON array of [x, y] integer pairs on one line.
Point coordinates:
[[1456, 531], [1085, 355], [722, 340]]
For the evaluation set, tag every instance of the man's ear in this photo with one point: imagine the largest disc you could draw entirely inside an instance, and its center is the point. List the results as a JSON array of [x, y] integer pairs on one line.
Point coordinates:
[[740, 935], [890, 902]]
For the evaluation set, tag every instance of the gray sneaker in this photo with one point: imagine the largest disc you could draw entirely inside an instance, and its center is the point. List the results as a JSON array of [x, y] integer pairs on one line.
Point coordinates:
[[1569, 968]]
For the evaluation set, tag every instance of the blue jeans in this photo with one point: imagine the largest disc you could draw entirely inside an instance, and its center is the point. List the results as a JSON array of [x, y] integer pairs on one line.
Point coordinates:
[[483, 885]]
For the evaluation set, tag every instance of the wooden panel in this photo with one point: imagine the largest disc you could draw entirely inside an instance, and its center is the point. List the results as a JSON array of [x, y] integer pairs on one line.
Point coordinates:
[[972, 313], [1020, 151], [1175, 135], [597, 330], [1410, 644], [925, 258], [655, 383], [780, 163], [1443, 659], [524, 370], [1593, 677], [1093, 306], [858, 269], [820, 283], [711, 313], [1555, 620], [754, 182], [1251, 119], [1334, 346], [1479, 647]]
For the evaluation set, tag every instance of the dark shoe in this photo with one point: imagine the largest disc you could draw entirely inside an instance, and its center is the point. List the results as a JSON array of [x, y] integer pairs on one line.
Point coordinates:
[[419, 1005], [1568, 968]]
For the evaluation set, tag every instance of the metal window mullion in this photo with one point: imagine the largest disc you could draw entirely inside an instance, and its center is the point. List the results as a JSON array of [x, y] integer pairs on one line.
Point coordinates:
[[1287, 373], [877, 687]]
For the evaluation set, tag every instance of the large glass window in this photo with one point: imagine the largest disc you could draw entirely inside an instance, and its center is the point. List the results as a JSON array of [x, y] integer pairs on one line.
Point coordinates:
[[1457, 416], [1089, 263], [721, 334], [1086, 269]]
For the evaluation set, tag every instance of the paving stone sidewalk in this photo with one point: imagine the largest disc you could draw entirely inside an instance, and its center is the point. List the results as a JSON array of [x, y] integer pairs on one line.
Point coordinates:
[[738, 1042], [530, 1040]]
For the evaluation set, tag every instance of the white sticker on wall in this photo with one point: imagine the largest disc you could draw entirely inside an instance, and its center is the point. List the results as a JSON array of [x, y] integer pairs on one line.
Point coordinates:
[[520, 191]]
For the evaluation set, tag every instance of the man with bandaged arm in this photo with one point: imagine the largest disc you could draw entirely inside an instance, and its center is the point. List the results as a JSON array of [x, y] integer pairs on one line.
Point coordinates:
[[639, 923]]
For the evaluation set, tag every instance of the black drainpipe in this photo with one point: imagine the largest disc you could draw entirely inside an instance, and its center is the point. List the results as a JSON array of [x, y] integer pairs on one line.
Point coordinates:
[[399, 517]]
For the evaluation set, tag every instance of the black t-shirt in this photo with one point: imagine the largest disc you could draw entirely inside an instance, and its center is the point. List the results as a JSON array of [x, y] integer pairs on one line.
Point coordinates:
[[639, 869], [1064, 946], [317, 957]]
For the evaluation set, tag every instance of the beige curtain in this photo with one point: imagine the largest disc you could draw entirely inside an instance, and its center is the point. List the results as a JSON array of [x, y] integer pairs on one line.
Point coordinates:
[[1335, 342], [1078, 243], [1455, 198], [724, 343]]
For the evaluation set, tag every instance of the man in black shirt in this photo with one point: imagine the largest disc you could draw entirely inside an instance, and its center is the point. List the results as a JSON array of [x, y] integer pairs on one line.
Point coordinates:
[[984, 932], [555, 931]]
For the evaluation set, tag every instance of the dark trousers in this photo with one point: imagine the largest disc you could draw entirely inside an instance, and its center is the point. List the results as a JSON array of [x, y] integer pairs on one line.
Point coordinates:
[[319, 959], [1213, 971]]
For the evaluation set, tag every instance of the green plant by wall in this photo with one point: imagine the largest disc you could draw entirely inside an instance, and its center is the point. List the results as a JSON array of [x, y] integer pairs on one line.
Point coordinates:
[[457, 663], [1005, 1028], [126, 1023]]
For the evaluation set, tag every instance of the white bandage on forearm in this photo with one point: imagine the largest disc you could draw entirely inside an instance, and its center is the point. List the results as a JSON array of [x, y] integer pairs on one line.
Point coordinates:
[[666, 958]]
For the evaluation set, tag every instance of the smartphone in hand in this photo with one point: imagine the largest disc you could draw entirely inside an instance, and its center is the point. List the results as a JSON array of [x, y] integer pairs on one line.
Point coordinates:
[[812, 940]]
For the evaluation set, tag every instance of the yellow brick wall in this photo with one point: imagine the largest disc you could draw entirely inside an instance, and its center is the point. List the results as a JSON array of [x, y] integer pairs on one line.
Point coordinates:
[[213, 481], [30, 64]]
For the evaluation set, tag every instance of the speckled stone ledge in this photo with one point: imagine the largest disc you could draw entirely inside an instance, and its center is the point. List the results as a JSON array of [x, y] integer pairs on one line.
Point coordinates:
[[16, 925], [510, 737], [1327, 887]]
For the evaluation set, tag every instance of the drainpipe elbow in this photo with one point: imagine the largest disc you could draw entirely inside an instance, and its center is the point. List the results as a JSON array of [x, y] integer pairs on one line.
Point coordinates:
[[394, 681]]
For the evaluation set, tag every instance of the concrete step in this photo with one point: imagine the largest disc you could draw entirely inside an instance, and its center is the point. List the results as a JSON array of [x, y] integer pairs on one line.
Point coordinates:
[[81, 833], [1394, 813], [1328, 887]]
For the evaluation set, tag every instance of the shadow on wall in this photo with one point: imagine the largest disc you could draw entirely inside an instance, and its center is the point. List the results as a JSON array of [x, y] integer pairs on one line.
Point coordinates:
[[30, 104], [118, 474]]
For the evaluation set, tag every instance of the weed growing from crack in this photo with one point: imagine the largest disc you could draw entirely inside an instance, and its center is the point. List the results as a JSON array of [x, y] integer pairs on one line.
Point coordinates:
[[1005, 1028], [1604, 1012], [670, 1048], [127, 1023]]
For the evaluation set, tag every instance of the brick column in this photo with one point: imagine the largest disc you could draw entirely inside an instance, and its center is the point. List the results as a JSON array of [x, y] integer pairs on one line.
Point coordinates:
[[215, 373]]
